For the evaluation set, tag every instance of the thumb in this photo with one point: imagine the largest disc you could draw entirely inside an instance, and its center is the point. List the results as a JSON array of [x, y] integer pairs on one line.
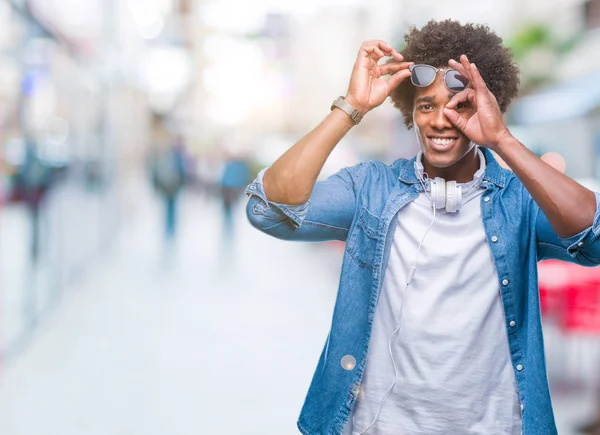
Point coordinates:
[[454, 117]]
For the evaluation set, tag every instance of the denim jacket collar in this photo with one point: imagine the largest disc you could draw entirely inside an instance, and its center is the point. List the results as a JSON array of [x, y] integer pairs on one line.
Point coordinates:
[[493, 171]]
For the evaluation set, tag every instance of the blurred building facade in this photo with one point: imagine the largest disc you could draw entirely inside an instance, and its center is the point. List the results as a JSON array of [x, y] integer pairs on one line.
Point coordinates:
[[274, 74], [70, 98]]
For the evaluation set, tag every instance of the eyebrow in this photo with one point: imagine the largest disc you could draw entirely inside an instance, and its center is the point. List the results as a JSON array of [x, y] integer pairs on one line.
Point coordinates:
[[431, 98], [427, 99]]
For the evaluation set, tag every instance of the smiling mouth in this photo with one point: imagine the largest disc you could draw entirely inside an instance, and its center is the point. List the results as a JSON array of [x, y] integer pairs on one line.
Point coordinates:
[[443, 142]]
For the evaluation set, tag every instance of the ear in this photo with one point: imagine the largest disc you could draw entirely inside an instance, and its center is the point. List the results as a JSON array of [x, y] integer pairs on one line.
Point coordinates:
[[555, 160]]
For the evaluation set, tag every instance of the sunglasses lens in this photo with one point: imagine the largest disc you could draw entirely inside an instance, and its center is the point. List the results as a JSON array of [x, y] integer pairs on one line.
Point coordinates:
[[455, 81], [422, 75]]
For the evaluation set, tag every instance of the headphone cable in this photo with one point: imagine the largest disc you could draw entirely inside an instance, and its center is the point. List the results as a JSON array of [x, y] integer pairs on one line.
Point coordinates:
[[411, 275]]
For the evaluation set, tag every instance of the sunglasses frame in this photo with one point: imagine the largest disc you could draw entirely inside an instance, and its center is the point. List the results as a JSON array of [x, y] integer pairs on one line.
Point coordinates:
[[446, 71]]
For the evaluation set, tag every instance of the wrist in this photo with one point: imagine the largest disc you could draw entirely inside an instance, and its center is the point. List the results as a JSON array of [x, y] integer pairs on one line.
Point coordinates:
[[505, 141], [508, 148], [351, 111], [352, 101], [339, 116]]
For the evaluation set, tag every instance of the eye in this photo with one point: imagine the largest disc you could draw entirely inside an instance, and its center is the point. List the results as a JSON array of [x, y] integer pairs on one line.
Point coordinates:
[[463, 105], [425, 107]]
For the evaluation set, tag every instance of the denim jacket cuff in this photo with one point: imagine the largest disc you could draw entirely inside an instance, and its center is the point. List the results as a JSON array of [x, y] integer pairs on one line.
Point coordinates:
[[585, 238], [296, 213]]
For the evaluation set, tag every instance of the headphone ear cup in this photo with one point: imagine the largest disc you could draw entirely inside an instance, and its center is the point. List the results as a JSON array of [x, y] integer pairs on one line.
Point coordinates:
[[453, 196], [438, 192]]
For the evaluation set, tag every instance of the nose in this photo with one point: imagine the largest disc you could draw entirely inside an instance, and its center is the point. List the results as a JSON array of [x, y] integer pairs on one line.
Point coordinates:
[[439, 120]]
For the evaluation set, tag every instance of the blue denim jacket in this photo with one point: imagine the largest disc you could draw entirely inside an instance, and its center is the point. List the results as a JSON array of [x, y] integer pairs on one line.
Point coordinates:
[[359, 205]]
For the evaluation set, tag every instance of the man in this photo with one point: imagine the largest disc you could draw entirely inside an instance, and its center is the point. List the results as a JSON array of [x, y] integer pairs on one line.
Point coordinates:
[[437, 326]]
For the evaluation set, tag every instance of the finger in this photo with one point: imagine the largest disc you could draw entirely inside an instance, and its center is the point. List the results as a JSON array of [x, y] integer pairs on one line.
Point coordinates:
[[478, 81], [465, 74], [456, 118], [393, 67], [382, 45], [466, 95], [473, 74], [397, 56], [466, 65], [458, 67], [385, 47], [374, 52], [395, 80]]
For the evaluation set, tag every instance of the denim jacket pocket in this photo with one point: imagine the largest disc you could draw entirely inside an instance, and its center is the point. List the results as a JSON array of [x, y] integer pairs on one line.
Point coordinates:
[[362, 242]]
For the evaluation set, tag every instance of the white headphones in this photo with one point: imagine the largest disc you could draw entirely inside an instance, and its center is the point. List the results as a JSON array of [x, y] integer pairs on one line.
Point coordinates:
[[448, 194]]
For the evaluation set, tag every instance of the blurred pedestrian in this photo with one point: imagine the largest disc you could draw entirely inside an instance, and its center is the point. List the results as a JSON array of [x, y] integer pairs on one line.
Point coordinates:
[[169, 176], [437, 324], [235, 177], [33, 180]]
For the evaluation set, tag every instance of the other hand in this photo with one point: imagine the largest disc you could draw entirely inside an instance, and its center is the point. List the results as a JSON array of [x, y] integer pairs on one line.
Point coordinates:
[[368, 89]]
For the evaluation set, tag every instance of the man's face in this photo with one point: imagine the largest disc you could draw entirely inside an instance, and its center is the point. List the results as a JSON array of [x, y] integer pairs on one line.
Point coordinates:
[[442, 143]]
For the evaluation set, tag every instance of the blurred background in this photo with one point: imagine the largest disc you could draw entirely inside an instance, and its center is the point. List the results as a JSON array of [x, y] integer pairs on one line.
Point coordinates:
[[134, 296]]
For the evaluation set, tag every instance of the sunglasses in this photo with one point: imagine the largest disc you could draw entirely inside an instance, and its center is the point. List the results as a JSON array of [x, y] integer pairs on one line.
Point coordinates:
[[424, 75]]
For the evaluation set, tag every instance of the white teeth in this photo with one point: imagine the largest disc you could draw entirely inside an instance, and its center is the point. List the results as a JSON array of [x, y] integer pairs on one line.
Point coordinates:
[[439, 141]]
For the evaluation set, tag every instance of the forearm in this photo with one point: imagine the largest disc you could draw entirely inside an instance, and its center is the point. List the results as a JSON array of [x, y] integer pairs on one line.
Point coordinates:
[[569, 207], [291, 178]]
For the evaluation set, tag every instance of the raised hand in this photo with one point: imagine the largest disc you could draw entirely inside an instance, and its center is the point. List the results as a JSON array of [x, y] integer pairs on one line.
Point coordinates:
[[486, 127], [368, 89]]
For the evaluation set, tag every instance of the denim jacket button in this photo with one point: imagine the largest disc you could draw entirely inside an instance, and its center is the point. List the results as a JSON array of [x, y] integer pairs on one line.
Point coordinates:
[[580, 244], [520, 368], [253, 187], [494, 239], [348, 362], [505, 282], [513, 324], [486, 199]]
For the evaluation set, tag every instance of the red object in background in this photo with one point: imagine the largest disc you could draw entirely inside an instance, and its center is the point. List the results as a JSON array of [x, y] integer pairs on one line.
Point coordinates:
[[553, 277], [571, 294]]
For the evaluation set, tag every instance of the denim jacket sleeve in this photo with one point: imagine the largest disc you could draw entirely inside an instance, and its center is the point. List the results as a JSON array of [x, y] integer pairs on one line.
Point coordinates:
[[582, 248], [327, 215]]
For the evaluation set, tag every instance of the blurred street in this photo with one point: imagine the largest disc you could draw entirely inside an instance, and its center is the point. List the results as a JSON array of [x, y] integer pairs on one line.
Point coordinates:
[[205, 344]]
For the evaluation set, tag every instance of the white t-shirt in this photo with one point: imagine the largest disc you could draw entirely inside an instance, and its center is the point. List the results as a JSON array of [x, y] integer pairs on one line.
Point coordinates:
[[454, 373]]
